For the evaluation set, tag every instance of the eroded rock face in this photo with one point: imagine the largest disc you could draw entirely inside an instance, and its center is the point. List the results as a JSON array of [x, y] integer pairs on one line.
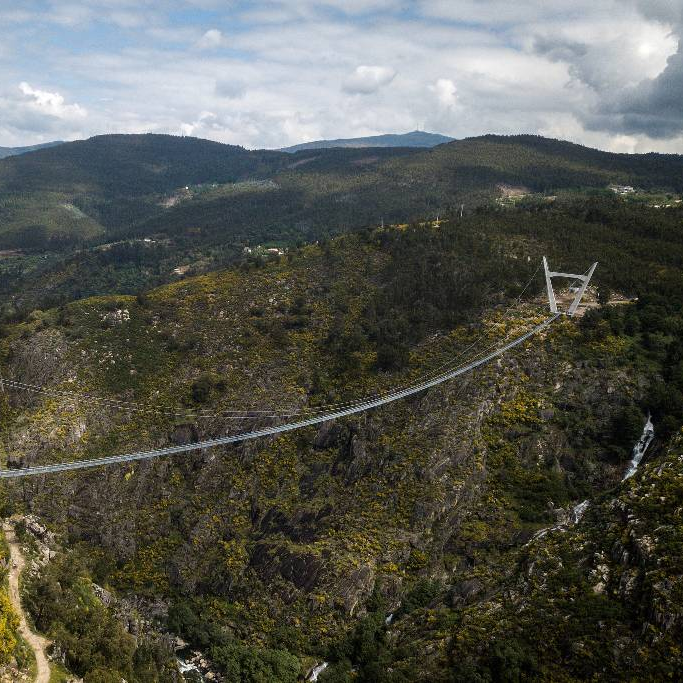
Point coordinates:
[[10, 674], [355, 587], [185, 433], [105, 596], [41, 359], [300, 569], [361, 462], [465, 592], [304, 526], [329, 435], [617, 566]]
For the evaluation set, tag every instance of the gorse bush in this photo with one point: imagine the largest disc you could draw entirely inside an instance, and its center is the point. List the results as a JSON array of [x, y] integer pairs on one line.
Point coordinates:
[[9, 625]]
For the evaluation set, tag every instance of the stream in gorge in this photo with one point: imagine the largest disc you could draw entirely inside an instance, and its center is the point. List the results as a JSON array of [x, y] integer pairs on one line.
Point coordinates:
[[640, 448]]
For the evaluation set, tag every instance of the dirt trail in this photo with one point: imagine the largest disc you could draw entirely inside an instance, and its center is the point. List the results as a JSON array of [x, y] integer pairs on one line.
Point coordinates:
[[37, 643]]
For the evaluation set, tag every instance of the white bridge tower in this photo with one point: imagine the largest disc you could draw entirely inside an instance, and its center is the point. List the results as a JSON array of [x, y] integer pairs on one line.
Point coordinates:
[[584, 279]]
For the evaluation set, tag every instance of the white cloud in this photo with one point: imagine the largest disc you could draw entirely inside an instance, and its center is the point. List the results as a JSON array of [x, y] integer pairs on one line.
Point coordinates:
[[70, 14], [230, 88], [368, 79], [211, 40], [15, 15], [497, 12], [32, 115], [539, 66], [445, 92], [358, 6], [610, 53], [50, 103], [205, 120], [667, 11]]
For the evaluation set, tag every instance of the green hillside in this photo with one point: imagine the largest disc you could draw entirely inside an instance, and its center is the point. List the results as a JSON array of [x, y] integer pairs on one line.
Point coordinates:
[[125, 182], [122, 213], [130, 165], [120, 181]]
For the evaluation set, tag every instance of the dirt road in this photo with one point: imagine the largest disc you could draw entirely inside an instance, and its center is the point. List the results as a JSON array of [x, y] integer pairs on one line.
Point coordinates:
[[36, 642]]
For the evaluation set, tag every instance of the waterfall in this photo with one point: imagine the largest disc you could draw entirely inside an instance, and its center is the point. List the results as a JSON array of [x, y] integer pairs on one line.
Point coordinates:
[[578, 510], [640, 448], [569, 519], [190, 671], [316, 671]]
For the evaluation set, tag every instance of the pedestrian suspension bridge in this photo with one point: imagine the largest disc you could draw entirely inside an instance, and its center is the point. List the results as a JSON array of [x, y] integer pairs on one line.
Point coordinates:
[[318, 414]]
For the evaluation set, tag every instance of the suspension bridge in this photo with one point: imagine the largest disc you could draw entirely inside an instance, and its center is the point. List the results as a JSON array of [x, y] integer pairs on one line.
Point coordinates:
[[320, 414]]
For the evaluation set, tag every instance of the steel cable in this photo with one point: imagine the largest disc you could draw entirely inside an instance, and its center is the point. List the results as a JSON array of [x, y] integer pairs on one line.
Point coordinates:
[[267, 431]]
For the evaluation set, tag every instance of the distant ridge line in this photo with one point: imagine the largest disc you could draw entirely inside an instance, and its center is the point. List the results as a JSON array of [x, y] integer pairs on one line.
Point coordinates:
[[416, 138], [16, 151]]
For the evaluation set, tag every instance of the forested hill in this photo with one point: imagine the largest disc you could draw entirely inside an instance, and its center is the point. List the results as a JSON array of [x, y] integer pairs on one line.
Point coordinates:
[[542, 164], [134, 165], [137, 165], [528, 154], [199, 203], [96, 188]]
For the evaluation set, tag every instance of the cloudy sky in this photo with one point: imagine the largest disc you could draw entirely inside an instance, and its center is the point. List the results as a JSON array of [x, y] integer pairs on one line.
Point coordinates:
[[606, 73]]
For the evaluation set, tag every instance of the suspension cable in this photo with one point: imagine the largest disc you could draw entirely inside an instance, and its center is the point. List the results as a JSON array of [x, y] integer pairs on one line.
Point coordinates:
[[267, 431], [238, 414]]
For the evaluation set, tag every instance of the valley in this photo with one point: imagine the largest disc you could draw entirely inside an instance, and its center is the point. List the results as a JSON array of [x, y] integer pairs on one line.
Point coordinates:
[[477, 530]]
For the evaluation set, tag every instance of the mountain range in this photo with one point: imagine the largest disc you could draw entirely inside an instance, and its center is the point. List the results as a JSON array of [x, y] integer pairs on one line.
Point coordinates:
[[116, 185], [13, 151], [416, 138]]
